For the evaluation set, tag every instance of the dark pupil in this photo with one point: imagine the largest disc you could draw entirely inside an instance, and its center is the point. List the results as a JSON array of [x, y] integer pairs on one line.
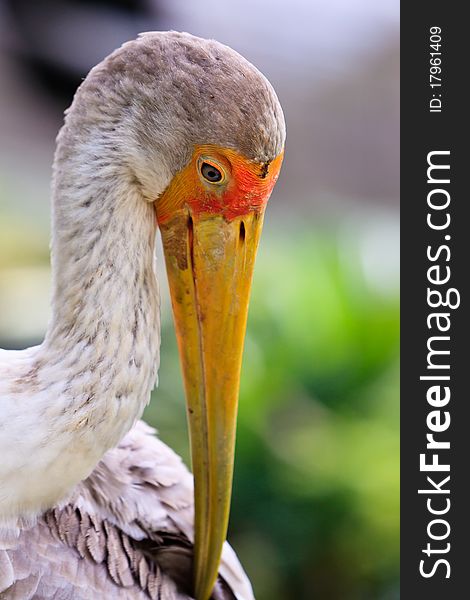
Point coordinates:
[[210, 173]]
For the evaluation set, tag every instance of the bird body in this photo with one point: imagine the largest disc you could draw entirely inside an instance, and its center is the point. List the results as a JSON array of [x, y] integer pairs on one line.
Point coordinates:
[[124, 533], [183, 133]]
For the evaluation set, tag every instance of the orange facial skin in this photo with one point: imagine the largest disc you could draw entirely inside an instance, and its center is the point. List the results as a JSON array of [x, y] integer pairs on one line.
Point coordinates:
[[246, 185]]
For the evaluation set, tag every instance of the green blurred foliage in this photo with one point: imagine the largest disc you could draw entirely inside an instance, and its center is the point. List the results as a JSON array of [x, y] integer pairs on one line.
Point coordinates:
[[315, 511]]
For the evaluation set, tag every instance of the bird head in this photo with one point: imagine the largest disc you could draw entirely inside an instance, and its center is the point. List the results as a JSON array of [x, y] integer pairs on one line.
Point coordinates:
[[202, 133], [210, 217]]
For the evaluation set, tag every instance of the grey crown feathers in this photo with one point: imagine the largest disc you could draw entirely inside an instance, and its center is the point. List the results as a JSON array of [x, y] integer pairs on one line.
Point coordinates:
[[189, 91]]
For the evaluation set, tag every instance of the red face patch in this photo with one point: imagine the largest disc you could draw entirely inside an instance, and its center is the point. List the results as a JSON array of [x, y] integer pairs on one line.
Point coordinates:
[[219, 181]]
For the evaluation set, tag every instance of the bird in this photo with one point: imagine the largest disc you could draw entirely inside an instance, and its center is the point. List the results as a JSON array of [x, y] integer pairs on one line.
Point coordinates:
[[170, 133]]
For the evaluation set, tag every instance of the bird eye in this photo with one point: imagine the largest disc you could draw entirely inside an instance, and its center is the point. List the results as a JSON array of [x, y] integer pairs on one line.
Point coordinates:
[[211, 173]]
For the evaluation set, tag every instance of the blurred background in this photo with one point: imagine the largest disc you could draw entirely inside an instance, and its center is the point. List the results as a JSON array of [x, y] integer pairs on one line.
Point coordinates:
[[315, 506]]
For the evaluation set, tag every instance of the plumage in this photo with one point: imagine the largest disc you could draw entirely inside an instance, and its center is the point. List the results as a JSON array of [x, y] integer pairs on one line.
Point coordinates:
[[125, 532], [92, 504]]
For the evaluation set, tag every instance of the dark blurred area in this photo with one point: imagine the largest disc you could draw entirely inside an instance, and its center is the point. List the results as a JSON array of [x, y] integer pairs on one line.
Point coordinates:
[[47, 44], [315, 507]]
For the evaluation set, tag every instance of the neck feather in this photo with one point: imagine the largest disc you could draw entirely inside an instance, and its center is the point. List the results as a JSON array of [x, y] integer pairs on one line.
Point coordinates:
[[103, 339], [79, 393]]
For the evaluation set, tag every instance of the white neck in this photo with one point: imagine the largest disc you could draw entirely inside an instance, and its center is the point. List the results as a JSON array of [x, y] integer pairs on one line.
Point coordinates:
[[84, 387], [104, 332]]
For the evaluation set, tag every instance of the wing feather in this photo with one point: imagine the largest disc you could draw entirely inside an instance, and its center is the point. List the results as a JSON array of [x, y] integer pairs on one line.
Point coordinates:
[[125, 533]]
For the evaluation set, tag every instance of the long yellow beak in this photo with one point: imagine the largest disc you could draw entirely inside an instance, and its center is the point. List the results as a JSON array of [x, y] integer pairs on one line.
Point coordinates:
[[210, 265]]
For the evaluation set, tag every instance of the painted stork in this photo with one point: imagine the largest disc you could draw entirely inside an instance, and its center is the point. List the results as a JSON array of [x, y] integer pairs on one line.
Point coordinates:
[[182, 134]]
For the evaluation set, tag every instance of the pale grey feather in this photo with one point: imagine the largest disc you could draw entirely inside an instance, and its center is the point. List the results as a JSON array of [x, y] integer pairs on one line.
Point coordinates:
[[125, 533]]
